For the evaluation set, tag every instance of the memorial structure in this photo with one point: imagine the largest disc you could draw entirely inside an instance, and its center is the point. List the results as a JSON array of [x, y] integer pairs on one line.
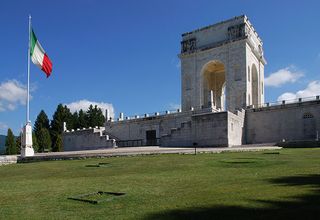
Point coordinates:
[[222, 100]]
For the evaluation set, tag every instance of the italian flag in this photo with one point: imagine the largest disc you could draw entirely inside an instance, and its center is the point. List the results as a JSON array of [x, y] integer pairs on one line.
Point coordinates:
[[39, 56]]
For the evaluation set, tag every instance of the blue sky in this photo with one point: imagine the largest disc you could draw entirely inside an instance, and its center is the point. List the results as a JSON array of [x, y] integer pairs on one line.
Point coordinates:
[[124, 53]]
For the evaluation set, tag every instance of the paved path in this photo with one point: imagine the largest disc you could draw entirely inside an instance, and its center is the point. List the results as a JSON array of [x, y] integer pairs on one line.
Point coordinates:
[[127, 151]]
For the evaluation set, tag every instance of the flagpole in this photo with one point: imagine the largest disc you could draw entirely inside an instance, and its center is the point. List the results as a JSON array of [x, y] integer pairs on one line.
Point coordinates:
[[28, 86], [26, 144]]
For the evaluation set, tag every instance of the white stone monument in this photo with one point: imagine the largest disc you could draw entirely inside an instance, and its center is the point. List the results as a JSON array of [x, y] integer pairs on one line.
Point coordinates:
[[226, 58], [26, 145]]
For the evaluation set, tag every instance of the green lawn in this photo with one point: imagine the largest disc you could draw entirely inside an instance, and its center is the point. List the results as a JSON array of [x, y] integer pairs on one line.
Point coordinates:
[[247, 185]]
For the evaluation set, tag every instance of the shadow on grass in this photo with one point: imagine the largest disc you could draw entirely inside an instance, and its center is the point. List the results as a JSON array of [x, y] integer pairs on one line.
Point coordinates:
[[300, 207]]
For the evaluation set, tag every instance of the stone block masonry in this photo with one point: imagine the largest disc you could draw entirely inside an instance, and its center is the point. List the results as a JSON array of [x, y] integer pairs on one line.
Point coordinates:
[[285, 122], [87, 139]]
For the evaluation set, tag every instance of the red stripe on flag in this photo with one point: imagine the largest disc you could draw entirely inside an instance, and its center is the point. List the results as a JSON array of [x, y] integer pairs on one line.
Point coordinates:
[[46, 65]]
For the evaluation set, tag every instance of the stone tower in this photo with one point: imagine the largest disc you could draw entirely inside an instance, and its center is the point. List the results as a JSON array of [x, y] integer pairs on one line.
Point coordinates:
[[222, 66]]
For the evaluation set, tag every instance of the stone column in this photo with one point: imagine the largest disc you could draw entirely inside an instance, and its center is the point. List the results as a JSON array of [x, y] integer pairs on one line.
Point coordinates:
[[26, 148], [121, 116], [211, 103], [107, 115]]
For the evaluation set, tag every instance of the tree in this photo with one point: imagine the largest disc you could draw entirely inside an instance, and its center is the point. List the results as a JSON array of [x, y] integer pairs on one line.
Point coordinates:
[[82, 119], [58, 144], [18, 143], [44, 140], [95, 116], [42, 121], [62, 114], [75, 120], [35, 144], [10, 143]]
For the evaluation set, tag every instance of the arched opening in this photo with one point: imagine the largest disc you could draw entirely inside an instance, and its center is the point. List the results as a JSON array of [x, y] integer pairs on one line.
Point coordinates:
[[214, 85], [254, 85]]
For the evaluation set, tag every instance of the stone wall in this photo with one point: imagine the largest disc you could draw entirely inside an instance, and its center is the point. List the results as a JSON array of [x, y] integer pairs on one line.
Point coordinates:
[[236, 128], [211, 129], [135, 128], [201, 127], [86, 139], [8, 159], [297, 121]]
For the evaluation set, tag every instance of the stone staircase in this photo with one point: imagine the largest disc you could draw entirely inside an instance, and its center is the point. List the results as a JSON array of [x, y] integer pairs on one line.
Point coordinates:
[[180, 136]]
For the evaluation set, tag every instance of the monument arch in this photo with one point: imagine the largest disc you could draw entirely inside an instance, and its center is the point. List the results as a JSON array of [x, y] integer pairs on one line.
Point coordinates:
[[213, 84]]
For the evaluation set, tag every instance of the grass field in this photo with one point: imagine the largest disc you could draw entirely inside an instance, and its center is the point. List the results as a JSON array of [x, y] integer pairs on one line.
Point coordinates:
[[249, 185]]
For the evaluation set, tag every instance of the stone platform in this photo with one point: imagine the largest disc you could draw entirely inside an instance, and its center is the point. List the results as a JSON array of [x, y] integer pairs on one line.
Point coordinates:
[[129, 151]]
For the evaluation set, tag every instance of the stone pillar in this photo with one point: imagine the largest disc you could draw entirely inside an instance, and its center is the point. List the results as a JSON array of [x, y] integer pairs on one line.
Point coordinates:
[[26, 148], [121, 116], [211, 103], [107, 114]]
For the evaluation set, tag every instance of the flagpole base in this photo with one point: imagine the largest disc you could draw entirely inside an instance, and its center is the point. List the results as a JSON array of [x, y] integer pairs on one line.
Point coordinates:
[[27, 152], [26, 148]]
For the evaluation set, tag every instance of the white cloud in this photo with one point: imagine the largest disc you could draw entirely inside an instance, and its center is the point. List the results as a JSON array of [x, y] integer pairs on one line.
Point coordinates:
[[3, 127], [283, 76], [313, 89], [12, 94], [84, 105]]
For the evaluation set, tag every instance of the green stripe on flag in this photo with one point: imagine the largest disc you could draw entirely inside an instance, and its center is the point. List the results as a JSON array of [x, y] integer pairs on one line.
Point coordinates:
[[32, 42]]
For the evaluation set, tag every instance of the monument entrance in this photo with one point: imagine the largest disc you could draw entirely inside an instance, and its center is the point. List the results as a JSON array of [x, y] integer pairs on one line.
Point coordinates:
[[151, 137]]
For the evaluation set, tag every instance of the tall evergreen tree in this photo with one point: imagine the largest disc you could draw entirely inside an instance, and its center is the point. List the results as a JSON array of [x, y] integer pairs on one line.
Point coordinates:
[[75, 120], [58, 144], [95, 116], [82, 119], [100, 117], [10, 143], [44, 140], [41, 122], [62, 114], [18, 143], [35, 144]]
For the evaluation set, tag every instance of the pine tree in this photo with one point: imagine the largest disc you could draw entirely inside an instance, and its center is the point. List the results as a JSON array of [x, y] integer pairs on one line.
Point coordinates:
[[44, 140], [10, 143], [100, 117], [95, 116], [75, 120], [82, 119], [18, 144], [35, 144], [62, 114], [89, 116], [58, 144], [42, 121]]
